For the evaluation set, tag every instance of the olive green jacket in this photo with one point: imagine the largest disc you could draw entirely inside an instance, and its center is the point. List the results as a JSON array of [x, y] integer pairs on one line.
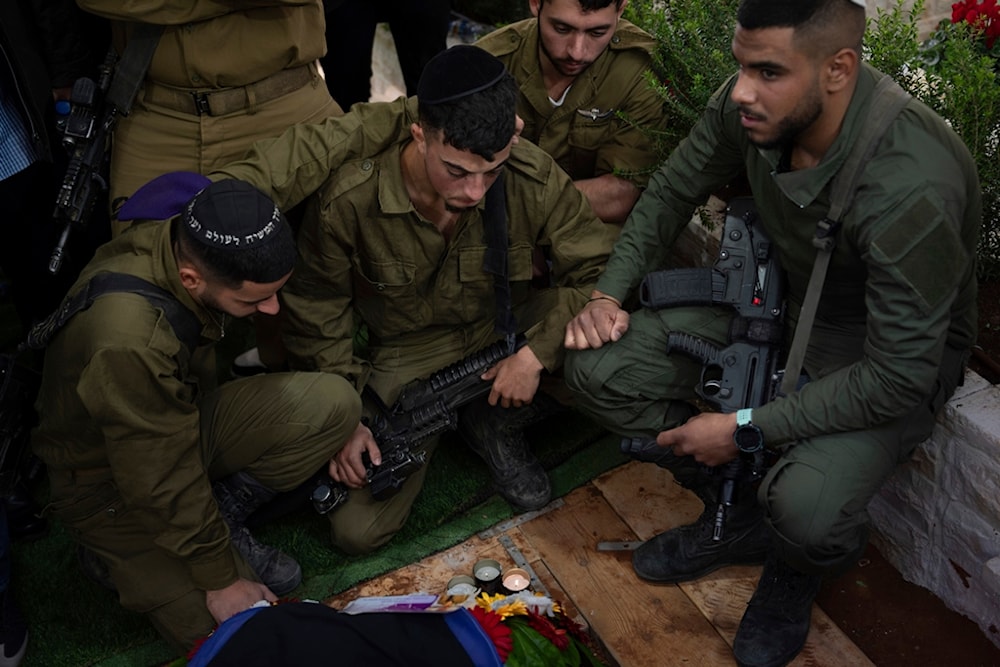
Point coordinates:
[[901, 287], [118, 403], [586, 135], [366, 252], [220, 43]]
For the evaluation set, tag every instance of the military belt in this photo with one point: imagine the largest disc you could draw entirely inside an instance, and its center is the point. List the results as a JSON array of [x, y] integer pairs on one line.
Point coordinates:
[[229, 100]]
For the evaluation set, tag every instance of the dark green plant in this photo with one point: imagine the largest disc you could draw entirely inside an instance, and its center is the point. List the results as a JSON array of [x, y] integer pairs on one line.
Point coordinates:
[[692, 59], [955, 73]]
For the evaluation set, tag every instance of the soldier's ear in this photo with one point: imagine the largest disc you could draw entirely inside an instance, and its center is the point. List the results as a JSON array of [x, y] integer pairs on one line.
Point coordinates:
[[417, 132], [840, 70], [191, 277]]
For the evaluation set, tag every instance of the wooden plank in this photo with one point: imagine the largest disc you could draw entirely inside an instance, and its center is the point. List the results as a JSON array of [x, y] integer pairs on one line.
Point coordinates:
[[649, 502], [723, 595], [639, 624], [647, 499]]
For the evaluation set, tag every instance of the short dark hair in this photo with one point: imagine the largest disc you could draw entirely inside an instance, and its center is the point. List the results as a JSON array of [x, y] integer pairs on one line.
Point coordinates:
[[482, 122], [824, 26], [592, 5]]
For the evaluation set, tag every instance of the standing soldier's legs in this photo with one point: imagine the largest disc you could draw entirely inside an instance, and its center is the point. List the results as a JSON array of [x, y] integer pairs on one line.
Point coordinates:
[[153, 139]]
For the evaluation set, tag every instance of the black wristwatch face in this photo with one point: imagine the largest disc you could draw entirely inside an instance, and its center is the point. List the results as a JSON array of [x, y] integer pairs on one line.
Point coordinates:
[[749, 438]]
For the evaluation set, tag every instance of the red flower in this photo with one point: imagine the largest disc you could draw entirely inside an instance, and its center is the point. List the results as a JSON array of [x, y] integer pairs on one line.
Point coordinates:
[[498, 633], [982, 15], [544, 627]]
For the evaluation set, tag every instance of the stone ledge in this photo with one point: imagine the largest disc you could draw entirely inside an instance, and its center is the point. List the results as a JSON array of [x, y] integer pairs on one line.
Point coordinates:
[[937, 519]]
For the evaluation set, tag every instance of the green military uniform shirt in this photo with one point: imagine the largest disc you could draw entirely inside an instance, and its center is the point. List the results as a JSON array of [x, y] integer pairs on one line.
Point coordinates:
[[118, 403], [220, 44], [585, 134], [364, 246], [901, 285]]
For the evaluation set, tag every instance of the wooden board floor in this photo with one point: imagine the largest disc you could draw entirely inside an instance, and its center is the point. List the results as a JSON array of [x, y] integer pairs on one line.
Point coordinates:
[[639, 624]]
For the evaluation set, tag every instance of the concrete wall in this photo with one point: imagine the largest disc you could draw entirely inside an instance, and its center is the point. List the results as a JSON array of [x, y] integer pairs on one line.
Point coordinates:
[[934, 11]]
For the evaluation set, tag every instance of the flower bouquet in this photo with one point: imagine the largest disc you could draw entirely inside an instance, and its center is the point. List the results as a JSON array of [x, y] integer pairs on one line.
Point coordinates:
[[531, 630]]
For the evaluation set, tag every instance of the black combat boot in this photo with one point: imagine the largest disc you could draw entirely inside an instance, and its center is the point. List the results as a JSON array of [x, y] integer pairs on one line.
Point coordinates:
[[776, 623], [238, 497], [496, 434], [689, 552]]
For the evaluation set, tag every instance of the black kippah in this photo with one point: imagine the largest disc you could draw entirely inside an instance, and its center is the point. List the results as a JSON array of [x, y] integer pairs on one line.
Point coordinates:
[[458, 72], [232, 214]]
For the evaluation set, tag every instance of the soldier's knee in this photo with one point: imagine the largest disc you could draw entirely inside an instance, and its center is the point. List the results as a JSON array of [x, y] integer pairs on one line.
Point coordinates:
[[813, 532], [331, 400], [357, 538]]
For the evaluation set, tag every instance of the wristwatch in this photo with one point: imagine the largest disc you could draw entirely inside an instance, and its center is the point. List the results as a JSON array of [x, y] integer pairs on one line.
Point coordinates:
[[748, 436]]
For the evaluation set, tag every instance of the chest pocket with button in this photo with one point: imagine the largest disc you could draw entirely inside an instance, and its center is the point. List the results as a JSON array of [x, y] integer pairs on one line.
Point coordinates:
[[589, 129], [387, 296]]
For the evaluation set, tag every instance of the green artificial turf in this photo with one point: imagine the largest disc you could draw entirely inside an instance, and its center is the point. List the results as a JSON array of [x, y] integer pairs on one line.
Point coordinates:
[[74, 622]]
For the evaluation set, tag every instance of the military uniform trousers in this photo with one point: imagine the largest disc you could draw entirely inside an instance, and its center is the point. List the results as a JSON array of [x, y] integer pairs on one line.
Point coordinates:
[[158, 136], [815, 496], [363, 524], [280, 428]]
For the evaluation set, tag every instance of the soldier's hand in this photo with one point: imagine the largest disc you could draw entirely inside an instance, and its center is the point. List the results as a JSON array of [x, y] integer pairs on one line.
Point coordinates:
[[708, 437], [234, 598], [348, 466], [601, 321], [515, 379]]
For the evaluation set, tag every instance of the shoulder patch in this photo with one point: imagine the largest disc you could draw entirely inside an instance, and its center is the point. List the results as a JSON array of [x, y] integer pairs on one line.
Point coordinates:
[[921, 251]]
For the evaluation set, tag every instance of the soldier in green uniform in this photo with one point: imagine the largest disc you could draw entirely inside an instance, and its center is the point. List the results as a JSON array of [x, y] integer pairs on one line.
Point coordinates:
[[394, 238], [896, 316], [223, 75], [153, 469], [578, 65]]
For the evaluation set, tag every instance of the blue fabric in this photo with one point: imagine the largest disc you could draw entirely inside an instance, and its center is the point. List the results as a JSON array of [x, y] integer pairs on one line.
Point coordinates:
[[17, 152], [163, 197], [222, 634], [473, 638]]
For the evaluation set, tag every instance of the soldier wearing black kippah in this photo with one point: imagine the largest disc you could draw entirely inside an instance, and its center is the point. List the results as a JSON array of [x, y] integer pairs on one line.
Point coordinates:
[[395, 237], [153, 469]]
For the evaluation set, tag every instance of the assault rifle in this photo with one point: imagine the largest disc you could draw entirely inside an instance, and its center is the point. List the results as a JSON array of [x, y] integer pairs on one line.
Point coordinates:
[[86, 135], [424, 408], [94, 112], [743, 374]]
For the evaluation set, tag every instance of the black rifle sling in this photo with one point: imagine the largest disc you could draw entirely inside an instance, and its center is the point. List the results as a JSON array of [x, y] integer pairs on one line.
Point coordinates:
[[186, 325], [131, 69], [887, 101], [495, 261]]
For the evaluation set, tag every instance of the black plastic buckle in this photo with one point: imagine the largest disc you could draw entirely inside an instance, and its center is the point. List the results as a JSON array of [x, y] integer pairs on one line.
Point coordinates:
[[826, 234], [201, 106]]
